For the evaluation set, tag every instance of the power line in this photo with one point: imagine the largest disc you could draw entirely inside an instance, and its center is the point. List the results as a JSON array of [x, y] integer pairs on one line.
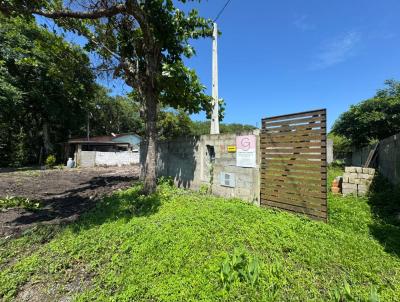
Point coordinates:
[[222, 10]]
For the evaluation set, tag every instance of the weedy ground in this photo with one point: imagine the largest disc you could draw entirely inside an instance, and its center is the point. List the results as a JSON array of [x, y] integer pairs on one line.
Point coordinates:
[[184, 246]]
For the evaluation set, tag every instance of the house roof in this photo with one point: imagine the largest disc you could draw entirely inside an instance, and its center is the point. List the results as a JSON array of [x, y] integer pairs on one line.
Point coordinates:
[[125, 134], [104, 138], [91, 142]]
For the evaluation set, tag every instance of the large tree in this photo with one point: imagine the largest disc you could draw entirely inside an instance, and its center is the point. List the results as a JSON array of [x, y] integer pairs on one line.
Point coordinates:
[[372, 119], [45, 87], [142, 42]]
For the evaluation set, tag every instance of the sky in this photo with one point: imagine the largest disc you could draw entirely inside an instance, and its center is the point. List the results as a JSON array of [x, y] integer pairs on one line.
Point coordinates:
[[286, 56]]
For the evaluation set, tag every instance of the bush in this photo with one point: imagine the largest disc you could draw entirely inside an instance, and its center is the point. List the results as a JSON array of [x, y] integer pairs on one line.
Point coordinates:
[[50, 161], [337, 163]]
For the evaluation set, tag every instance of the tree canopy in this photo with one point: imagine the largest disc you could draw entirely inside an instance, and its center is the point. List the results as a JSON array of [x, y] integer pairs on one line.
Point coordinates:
[[143, 43], [372, 119], [203, 127], [45, 86]]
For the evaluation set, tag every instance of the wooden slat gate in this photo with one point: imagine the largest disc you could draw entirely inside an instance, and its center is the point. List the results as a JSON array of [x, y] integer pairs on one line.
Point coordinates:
[[293, 163]]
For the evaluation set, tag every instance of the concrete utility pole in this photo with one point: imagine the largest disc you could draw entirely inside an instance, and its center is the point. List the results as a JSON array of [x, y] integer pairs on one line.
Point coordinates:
[[215, 111]]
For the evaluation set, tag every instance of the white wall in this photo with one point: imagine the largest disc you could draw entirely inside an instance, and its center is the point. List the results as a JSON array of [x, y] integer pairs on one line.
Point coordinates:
[[96, 158]]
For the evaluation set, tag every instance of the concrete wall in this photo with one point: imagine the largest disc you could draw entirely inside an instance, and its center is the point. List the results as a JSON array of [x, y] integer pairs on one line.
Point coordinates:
[[97, 158], [86, 158], [388, 161], [329, 151], [188, 161]]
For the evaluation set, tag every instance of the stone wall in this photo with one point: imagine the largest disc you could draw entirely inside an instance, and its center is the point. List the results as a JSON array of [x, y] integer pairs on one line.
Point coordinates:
[[196, 162], [388, 160], [357, 180]]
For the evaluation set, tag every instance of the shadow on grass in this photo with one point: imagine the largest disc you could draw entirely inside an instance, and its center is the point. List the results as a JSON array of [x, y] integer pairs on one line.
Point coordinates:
[[385, 204]]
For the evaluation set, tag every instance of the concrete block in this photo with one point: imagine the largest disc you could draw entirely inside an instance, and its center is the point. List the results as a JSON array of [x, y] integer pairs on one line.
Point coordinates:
[[245, 178], [353, 180], [359, 169], [366, 182], [366, 176], [349, 186], [346, 174], [362, 189], [242, 192], [348, 191], [345, 179], [359, 181], [350, 169]]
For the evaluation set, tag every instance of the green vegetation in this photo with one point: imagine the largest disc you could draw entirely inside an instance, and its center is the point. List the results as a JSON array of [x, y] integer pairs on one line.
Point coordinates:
[[40, 100], [176, 123], [372, 119], [200, 128], [177, 245], [20, 202], [41, 105], [143, 43], [341, 145], [50, 161]]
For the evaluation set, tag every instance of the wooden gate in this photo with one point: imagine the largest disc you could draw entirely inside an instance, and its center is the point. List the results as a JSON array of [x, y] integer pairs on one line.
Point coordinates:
[[293, 163]]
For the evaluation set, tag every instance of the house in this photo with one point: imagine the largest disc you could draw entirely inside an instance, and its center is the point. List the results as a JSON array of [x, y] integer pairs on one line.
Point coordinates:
[[110, 150]]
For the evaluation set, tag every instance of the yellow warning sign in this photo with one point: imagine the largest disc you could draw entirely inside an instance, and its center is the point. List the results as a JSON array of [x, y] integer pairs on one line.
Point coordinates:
[[231, 149]]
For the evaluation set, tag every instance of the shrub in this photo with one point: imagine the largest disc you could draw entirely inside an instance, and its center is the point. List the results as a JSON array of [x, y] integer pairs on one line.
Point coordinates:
[[50, 161], [239, 267], [204, 189]]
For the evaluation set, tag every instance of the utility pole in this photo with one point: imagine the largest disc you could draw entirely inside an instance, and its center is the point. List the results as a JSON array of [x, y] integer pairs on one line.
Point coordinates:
[[215, 111]]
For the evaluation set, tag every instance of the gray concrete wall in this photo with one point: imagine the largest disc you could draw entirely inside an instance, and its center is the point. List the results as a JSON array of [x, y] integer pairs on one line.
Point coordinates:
[[388, 161], [329, 151], [86, 158], [188, 161]]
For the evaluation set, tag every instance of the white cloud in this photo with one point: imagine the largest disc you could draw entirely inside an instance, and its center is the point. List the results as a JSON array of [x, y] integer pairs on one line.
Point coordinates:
[[337, 50], [301, 23]]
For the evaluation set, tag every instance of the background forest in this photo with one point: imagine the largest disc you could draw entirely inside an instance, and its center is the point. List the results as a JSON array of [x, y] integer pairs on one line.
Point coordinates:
[[48, 94]]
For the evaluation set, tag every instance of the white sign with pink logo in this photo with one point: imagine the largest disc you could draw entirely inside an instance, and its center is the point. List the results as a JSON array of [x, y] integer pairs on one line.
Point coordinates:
[[246, 151]]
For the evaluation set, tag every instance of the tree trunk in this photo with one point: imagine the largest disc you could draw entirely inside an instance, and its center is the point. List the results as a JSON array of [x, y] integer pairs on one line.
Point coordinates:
[[149, 165], [48, 147]]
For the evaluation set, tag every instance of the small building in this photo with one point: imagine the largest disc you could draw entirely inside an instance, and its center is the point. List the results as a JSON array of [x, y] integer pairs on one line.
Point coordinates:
[[111, 150]]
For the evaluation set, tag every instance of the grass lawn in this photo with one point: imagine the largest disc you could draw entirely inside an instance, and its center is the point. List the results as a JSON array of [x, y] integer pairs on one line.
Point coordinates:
[[184, 246]]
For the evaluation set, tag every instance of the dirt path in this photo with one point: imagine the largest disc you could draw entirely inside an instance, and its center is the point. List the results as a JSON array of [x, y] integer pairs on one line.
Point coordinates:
[[65, 194]]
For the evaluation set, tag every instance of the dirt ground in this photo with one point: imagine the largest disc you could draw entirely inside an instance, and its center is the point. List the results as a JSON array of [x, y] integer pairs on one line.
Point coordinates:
[[65, 194]]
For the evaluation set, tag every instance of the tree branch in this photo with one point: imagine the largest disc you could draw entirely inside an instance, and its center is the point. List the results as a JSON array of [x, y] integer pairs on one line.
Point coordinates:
[[96, 14]]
